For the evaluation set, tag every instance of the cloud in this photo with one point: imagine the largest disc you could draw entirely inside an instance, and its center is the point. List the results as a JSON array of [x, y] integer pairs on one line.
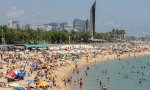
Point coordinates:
[[14, 12]]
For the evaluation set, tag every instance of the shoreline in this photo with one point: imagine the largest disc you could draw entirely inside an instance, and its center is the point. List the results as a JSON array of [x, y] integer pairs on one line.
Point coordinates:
[[65, 72]]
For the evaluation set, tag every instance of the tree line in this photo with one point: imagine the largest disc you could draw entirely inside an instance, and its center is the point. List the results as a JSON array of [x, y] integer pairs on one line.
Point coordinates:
[[19, 36]]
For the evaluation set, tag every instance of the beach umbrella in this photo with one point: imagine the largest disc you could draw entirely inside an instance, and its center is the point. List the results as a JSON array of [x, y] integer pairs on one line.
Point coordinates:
[[16, 72], [30, 81], [26, 50], [11, 74], [17, 50], [14, 65], [33, 48], [34, 64], [40, 48], [20, 88], [21, 53], [14, 84], [64, 57], [43, 83], [21, 74], [44, 65]]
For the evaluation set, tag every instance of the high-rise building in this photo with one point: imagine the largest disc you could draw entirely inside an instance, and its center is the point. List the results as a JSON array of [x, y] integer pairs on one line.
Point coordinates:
[[79, 24], [13, 24], [92, 19], [63, 25], [27, 26], [55, 26]]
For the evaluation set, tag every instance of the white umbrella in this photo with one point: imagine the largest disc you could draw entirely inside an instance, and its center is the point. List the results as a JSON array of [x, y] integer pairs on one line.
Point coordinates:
[[21, 53], [17, 50], [16, 72]]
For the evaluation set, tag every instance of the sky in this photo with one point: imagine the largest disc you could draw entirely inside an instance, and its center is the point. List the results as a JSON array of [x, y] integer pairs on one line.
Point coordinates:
[[130, 15]]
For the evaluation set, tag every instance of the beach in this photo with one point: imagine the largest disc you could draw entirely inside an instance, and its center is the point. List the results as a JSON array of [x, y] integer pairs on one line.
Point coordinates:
[[53, 67]]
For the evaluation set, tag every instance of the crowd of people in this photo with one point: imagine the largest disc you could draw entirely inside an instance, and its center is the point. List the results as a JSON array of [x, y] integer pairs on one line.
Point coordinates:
[[38, 68]]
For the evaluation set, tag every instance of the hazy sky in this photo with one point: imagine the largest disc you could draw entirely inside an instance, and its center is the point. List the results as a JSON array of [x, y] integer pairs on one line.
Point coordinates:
[[130, 15]]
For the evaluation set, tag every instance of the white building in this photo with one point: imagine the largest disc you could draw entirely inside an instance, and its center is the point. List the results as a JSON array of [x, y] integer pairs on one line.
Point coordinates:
[[48, 28], [44, 27], [39, 27], [68, 28], [13, 24]]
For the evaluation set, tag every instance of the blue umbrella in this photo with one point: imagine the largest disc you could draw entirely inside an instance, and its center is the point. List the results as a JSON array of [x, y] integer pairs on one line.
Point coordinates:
[[30, 81], [20, 88], [34, 64], [21, 74]]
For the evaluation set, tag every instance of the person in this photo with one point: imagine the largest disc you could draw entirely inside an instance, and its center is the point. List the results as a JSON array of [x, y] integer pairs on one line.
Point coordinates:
[[104, 88], [140, 81], [81, 83], [86, 73], [100, 83], [108, 80], [28, 87]]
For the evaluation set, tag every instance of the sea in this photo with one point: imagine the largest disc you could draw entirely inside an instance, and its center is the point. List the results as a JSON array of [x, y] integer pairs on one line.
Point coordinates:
[[131, 73]]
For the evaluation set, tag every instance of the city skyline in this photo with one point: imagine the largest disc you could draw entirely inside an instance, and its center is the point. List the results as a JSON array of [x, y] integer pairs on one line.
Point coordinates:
[[132, 16]]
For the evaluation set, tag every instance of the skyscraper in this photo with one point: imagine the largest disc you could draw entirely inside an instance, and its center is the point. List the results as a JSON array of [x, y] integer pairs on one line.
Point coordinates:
[[79, 24], [87, 25], [55, 26], [92, 19]]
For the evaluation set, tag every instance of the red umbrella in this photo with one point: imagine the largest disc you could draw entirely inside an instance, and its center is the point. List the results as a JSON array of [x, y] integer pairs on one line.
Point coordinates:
[[44, 65], [11, 74]]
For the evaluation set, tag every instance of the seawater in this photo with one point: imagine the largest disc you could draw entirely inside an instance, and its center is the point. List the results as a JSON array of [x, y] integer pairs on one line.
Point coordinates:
[[123, 74]]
